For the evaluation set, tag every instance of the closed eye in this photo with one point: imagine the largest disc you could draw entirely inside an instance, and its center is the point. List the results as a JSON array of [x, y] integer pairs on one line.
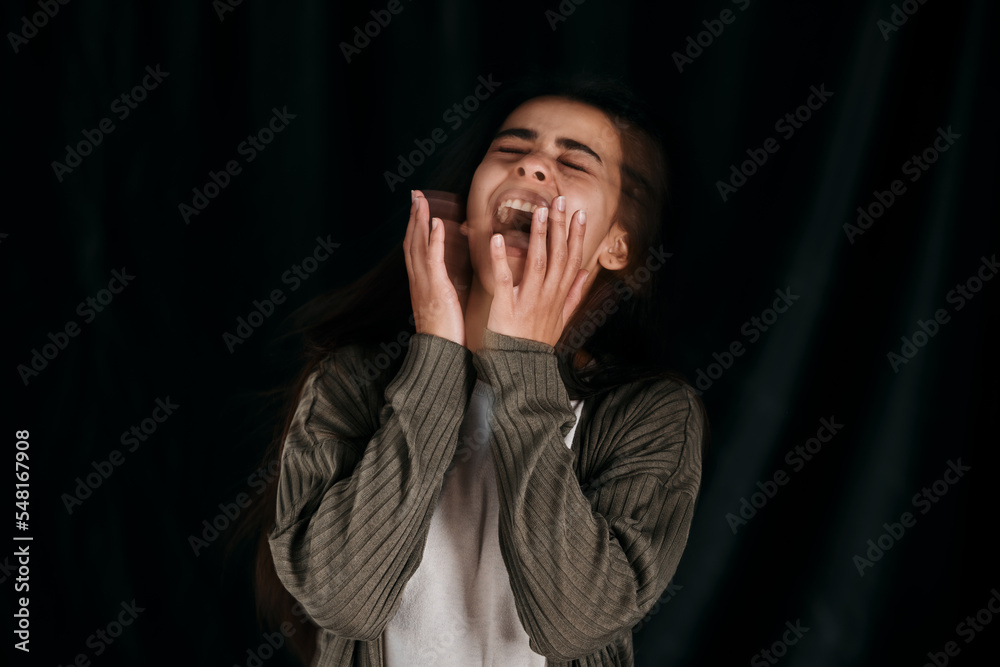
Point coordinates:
[[522, 151]]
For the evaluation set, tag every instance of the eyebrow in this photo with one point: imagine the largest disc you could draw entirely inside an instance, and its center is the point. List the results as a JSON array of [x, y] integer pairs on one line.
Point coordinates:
[[562, 142]]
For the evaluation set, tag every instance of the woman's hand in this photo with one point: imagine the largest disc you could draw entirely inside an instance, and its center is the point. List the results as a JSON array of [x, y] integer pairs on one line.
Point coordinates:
[[551, 287], [436, 307]]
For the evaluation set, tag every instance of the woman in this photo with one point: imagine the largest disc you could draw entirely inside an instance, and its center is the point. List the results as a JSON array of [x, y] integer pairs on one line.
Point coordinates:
[[517, 486]]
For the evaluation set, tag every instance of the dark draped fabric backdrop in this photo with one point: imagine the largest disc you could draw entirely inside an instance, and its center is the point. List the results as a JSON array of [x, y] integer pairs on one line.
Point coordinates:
[[832, 291]]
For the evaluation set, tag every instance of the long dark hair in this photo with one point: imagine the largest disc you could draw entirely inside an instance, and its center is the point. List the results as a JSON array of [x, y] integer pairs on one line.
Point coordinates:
[[611, 326]]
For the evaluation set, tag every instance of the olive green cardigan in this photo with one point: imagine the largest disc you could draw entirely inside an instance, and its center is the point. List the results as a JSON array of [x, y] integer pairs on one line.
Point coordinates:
[[591, 536]]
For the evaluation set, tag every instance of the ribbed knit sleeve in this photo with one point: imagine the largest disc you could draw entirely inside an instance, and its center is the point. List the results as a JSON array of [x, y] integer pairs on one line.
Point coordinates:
[[586, 567], [358, 483]]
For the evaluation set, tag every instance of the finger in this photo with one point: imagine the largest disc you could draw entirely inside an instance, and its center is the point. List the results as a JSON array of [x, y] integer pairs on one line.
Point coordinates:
[[435, 251], [503, 289], [421, 231], [409, 226], [411, 223], [422, 275], [558, 226], [556, 217], [574, 250], [536, 261], [557, 212], [408, 237]]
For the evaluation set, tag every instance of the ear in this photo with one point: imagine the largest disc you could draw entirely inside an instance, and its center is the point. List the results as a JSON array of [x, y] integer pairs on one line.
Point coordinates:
[[612, 253]]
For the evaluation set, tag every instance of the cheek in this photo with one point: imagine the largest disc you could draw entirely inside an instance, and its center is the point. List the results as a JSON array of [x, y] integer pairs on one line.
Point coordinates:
[[598, 224], [590, 247], [479, 248], [478, 193]]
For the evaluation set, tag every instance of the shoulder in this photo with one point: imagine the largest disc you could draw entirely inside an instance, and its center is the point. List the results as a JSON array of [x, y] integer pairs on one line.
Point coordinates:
[[361, 371], [340, 396], [654, 425], [340, 371], [664, 399], [654, 392]]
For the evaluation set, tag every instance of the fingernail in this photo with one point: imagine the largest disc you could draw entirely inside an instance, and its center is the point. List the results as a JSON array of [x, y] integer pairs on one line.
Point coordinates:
[[434, 223], [497, 240], [582, 217], [412, 196], [543, 214], [561, 204]]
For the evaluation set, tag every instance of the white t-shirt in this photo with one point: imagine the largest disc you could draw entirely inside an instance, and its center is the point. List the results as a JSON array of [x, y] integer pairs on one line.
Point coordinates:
[[457, 609]]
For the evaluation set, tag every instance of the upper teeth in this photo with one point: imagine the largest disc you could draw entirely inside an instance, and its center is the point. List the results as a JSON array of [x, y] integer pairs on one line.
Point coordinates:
[[504, 211]]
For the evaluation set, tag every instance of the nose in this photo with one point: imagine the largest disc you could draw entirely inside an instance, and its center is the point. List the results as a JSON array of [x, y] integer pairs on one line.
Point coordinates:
[[540, 175], [533, 165]]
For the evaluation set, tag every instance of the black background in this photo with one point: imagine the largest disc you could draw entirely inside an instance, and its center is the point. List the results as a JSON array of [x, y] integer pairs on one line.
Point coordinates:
[[324, 176]]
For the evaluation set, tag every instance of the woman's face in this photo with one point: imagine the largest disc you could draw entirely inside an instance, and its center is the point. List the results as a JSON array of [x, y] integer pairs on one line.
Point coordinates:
[[548, 147]]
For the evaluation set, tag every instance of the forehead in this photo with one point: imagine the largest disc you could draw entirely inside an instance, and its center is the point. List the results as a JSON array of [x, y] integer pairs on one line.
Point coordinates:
[[558, 117]]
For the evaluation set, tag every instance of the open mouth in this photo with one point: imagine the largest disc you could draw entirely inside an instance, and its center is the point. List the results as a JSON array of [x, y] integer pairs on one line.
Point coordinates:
[[516, 214]]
